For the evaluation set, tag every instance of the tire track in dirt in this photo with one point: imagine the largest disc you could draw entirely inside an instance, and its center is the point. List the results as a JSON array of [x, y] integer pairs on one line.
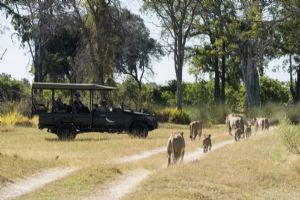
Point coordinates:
[[139, 156], [198, 153], [31, 183], [118, 189]]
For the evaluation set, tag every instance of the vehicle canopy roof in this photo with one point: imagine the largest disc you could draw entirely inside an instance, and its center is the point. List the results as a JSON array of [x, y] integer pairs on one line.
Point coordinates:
[[70, 86]]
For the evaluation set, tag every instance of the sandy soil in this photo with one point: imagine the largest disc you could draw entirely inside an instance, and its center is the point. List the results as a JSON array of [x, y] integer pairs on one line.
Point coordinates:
[[127, 183], [119, 188], [22, 187]]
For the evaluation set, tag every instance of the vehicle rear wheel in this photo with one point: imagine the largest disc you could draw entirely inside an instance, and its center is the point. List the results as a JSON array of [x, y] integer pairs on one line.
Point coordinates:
[[139, 130], [66, 132]]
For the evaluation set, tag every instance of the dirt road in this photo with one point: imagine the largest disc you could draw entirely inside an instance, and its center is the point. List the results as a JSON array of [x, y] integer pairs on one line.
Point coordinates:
[[126, 184], [19, 188]]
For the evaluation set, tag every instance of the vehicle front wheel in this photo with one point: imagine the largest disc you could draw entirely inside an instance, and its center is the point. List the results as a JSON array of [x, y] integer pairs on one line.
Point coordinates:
[[139, 130], [66, 133]]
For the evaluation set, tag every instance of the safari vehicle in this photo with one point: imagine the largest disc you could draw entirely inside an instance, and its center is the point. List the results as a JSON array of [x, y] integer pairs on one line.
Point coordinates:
[[66, 124]]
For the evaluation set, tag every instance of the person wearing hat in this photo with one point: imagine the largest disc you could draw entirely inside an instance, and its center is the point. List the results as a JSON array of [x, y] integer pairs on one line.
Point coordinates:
[[79, 106]]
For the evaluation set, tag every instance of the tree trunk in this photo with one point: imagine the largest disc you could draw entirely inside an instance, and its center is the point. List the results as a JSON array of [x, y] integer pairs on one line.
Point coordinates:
[[103, 31], [297, 86], [178, 61], [223, 78], [40, 42], [249, 61], [293, 93], [217, 81], [179, 91]]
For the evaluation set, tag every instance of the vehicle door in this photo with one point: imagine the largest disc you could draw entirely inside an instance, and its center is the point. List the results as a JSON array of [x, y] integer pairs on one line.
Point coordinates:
[[115, 119], [99, 120], [82, 120]]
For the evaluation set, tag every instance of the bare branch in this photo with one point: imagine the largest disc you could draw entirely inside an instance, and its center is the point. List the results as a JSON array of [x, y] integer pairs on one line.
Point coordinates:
[[3, 54]]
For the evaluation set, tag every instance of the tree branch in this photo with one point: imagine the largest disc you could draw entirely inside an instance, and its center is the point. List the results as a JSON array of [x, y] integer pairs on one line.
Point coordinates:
[[3, 54]]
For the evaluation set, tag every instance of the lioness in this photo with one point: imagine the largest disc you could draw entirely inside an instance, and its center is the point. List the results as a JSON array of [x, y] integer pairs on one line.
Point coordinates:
[[195, 129], [260, 122], [175, 147], [234, 121], [207, 143]]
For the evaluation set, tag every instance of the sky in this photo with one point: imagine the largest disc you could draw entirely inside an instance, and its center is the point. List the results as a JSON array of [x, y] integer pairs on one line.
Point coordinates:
[[17, 62]]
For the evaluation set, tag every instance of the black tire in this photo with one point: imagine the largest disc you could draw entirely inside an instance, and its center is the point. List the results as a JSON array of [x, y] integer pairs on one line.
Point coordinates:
[[66, 132], [139, 129]]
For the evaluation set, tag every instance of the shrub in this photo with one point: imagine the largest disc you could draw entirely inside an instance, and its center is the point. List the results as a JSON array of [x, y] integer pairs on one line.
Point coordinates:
[[164, 115], [273, 91], [174, 116], [290, 135], [132, 96], [23, 107], [17, 119], [179, 117], [276, 112], [208, 114]]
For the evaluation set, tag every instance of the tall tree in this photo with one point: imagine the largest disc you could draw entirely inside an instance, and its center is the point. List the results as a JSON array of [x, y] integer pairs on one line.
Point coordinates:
[[287, 42], [35, 23], [135, 48], [216, 22], [96, 18], [177, 17], [252, 46]]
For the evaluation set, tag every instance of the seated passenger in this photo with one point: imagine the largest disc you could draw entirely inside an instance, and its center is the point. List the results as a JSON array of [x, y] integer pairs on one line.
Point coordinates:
[[79, 106], [37, 106], [103, 106], [95, 107], [59, 104]]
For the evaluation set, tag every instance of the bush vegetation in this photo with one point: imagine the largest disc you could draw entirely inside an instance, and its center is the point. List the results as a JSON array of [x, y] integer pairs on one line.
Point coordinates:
[[17, 119], [13, 90], [173, 115], [290, 135], [198, 101]]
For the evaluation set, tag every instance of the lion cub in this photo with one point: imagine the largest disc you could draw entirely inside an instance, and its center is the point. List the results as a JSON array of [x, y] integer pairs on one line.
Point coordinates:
[[207, 143], [248, 131]]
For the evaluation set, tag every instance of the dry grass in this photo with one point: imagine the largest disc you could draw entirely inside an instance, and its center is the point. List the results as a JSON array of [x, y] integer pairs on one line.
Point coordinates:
[[86, 149], [259, 168], [91, 152], [14, 167], [76, 186], [16, 119]]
